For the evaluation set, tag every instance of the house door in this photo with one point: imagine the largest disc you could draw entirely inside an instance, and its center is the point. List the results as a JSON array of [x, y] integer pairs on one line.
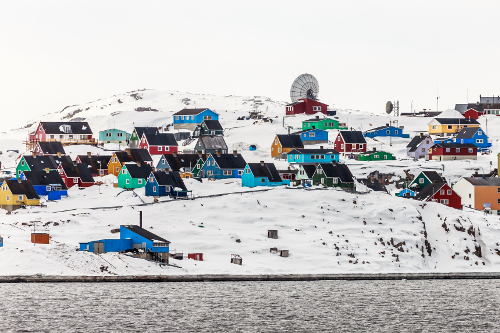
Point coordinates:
[[322, 180], [98, 247], [144, 245]]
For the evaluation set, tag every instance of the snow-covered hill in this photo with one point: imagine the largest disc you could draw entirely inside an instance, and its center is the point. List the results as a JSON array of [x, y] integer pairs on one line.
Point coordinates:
[[385, 232]]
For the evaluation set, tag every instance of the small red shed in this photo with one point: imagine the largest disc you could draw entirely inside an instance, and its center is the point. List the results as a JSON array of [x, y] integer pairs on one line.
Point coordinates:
[[40, 238], [348, 142], [441, 193], [472, 114], [195, 256], [307, 106]]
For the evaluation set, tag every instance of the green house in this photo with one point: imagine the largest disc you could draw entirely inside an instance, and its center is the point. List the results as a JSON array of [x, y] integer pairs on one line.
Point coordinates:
[[136, 135], [133, 176], [199, 164], [114, 135], [425, 178], [323, 124], [376, 156], [336, 175], [40, 163]]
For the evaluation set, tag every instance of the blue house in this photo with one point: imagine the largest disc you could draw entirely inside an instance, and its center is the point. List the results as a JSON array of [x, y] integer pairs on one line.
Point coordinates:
[[131, 237], [407, 193], [252, 148], [48, 183], [161, 184], [223, 166], [313, 136], [114, 135], [262, 174], [191, 118], [474, 135], [386, 130], [311, 156]]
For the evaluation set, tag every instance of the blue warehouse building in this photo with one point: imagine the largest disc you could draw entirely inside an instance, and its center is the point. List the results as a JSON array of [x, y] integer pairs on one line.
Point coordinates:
[[191, 118], [386, 130], [313, 136]]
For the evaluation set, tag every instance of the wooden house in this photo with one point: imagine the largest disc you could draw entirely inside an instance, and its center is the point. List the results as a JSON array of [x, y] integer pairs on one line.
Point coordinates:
[[313, 136], [472, 114], [78, 174], [222, 166], [139, 156], [452, 151], [305, 174], [49, 149], [162, 183], [407, 193], [49, 183], [386, 131], [208, 127], [336, 175], [114, 135], [40, 163], [441, 193], [68, 133], [450, 126], [307, 106], [350, 142], [133, 176], [211, 145], [311, 156], [481, 193], [475, 136], [18, 193], [323, 124], [98, 163], [288, 174], [419, 146], [262, 174], [135, 137], [425, 178], [159, 143], [376, 155], [283, 143], [373, 184], [190, 118], [199, 164], [182, 163]]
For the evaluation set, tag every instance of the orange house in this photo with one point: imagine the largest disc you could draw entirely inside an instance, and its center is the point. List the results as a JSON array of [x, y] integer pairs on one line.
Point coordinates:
[[479, 193], [283, 143], [119, 158]]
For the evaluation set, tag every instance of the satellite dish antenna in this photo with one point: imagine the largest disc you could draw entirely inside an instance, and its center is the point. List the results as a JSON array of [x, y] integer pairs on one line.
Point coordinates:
[[389, 107], [304, 86]]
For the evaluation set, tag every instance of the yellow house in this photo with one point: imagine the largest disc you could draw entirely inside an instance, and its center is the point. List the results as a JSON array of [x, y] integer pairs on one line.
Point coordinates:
[[14, 194], [283, 143], [450, 126]]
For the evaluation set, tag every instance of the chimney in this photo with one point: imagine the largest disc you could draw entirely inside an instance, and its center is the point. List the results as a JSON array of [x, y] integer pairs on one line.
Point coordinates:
[[374, 148], [33, 153], [167, 170], [218, 152], [89, 154], [74, 163], [200, 153], [138, 164], [47, 170], [288, 130], [262, 163], [320, 147], [235, 153], [59, 154], [140, 218], [288, 167], [421, 135], [316, 165], [387, 125]]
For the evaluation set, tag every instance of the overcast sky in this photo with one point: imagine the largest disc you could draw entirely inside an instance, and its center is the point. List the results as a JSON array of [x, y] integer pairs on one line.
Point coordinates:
[[363, 53]]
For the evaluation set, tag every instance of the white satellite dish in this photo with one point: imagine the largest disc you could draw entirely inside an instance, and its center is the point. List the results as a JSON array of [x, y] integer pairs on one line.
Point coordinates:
[[304, 86]]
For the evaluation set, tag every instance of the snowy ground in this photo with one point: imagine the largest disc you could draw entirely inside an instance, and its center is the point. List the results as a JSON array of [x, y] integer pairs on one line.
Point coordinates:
[[326, 231]]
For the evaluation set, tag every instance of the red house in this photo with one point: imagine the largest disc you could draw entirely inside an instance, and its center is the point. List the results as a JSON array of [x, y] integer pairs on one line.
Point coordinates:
[[442, 193], [348, 142], [473, 114], [452, 151], [75, 174], [68, 133], [307, 106], [159, 143]]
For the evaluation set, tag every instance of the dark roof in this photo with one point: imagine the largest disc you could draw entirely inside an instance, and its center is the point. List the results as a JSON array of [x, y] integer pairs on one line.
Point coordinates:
[[213, 125], [288, 171], [52, 148], [212, 142], [84, 172], [428, 191], [95, 159], [353, 137], [434, 177], [161, 139], [453, 121], [140, 155], [415, 142], [230, 161], [290, 140], [295, 103], [141, 130], [183, 160], [136, 171], [468, 132], [39, 163], [45, 178], [480, 181], [123, 157], [313, 151], [23, 187], [144, 233], [455, 145], [77, 127], [190, 112], [338, 170], [70, 170], [309, 169], [373, 184], [171, 178], [319, 119], [267, 170]]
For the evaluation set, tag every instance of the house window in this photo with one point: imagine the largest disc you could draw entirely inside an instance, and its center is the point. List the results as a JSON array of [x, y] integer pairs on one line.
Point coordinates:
[[124, 171], [61, 136], [335, 180], [20, 198], [108, 134], [159, 148], [154, 188], [71, 136], [316, 108], [396, 131], [22, 163], [471, 150], [479, 133], [338, 138], [127, 181], [279, 150], [457, 150], [444, 201], [227, 172], [388, 132], [470, 196], [151, 179], [8, 198], [322, 180], [240, 172], [312, 135], [479, 140], [52, 136], [247, 171], [320, 171], [427, 142], [114, 159], [498, 189], [166, 148], [210, 173], [297, 157], [117, 169], [342, 147], [385, 157], [450, 127], [4, 188], [375, 156], [139, 181], [441, 192], [447, 150], [360, 146], [263, 180], [119, 134], [423, 150], [207, 117], [421, 181], [47, 188], [434, 127]]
